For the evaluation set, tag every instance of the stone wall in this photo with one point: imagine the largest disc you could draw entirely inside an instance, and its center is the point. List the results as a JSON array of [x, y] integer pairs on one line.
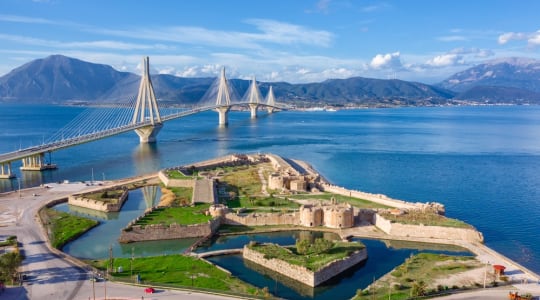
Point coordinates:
[[189, 183], [422, 231], [377, 198], [137, 233], [80, 200], [261, 219], [300, 273]]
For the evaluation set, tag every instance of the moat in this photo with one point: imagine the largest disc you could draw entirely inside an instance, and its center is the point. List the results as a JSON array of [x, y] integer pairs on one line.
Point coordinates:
[[377, 264]]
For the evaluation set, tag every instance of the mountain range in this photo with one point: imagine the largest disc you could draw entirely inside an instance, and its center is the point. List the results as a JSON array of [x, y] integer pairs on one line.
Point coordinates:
[[60, 79]]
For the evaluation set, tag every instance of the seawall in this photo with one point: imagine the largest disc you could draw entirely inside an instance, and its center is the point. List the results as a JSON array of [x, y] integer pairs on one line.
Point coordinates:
[[423, 231]]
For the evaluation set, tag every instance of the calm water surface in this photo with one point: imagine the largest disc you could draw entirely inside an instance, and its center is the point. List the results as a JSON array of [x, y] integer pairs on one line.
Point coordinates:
[[481, 162]]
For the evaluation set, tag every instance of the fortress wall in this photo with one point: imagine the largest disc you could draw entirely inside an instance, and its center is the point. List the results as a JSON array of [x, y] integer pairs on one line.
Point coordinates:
[[189, 183], [81, 201], [261, 219], [435, 232], [302, 274], [155, 232], [335, 268], [377, 198]]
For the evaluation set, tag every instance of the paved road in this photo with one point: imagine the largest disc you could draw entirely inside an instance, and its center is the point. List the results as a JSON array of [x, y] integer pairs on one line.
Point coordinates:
[[51, 276]]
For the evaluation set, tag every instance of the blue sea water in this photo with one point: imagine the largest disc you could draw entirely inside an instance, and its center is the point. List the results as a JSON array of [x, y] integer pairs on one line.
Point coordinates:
[[481, 162]]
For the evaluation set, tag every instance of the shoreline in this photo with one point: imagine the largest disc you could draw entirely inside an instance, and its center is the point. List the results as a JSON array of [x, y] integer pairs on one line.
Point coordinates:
[[483, 252]]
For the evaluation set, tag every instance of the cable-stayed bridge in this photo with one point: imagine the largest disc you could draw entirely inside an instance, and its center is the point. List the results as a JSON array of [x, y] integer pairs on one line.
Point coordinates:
[[142, 115]]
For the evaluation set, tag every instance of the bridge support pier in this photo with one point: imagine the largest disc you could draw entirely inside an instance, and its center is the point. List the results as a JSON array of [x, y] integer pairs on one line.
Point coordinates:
[[253, 109], [223, 112], [148, 134], [36, 163], [5, 171], [270, 109]]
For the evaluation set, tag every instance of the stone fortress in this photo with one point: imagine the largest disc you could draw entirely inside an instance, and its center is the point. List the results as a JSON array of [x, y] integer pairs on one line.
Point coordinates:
[[290, 177]]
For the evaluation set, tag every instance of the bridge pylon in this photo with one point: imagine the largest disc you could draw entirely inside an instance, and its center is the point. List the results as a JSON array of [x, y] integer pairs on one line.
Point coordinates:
[[146, 108], [5, 171], [36, 162], [253, 95], [223, 99], [270, 100]]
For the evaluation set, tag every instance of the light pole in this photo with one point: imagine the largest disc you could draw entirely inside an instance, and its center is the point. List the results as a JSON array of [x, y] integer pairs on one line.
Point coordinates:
[[93, 285], [19, 183]]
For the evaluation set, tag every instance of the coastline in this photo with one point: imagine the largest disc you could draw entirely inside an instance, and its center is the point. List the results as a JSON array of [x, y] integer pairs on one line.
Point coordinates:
[[483, 253]]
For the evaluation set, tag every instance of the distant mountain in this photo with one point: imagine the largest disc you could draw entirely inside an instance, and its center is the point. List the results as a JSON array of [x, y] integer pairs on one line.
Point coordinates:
[[60, 79], [499, 94], [517, 73]]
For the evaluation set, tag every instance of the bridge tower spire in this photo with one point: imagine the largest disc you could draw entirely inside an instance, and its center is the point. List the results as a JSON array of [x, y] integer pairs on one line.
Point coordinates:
[[223, 99], [146, 108], [253, 96], [270, 100]]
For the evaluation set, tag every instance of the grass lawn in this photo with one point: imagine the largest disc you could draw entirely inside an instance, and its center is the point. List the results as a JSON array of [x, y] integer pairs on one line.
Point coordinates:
[[419, 274], [428, 219], [312, 262], [268, 202], [243, 180], [183, 215], [178, 270], [357, 202], [64, 227], [175, 174], [183, 195], [110, 196]]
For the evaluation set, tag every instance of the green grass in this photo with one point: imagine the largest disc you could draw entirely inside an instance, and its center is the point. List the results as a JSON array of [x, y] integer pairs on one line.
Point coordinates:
[[177, 270], [266, 202], [357, 202], [423, 267], [10, 241], [243, 180], [427, 218], [175, 174], [312, 262], [64, 227], [110, 196], [183, 215], [183, 195]]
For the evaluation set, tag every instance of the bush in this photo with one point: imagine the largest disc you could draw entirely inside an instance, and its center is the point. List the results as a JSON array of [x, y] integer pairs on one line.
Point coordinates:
[[396, 273]]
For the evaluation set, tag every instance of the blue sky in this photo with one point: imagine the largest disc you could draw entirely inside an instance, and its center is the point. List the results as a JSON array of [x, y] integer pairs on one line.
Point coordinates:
[[274, 40]]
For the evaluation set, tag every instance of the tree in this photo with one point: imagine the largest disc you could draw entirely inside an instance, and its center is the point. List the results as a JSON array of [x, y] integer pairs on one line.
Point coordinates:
[[418, 288], [9, 263], [322, 245], [302, 246]]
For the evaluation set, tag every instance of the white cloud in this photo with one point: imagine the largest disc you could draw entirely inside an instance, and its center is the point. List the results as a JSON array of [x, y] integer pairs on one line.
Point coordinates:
[[532, 38], [389, 60], [375, 7], [509, 36], [452, 38], [268, 31], [103, 44], [22, 19], [444, 60]]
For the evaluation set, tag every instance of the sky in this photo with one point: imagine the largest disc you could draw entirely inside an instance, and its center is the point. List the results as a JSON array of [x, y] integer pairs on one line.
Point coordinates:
[[274, 40]]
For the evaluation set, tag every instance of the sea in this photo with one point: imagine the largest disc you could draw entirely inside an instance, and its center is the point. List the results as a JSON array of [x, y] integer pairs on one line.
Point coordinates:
[[481, 162]]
